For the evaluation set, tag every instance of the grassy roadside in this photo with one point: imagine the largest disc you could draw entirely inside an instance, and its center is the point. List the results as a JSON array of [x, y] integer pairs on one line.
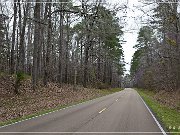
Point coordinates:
[[103, 92], [169, 117]]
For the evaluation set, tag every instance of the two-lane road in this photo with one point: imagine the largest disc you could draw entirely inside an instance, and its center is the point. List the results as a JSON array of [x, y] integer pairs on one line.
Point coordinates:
[[116, 113]]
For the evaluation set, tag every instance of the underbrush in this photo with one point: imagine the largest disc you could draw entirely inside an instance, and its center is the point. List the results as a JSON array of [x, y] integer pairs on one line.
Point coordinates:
[[31, 103]]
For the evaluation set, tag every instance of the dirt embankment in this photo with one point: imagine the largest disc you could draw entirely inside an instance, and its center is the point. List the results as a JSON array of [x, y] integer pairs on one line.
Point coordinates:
[[29, 102], [170, 99]]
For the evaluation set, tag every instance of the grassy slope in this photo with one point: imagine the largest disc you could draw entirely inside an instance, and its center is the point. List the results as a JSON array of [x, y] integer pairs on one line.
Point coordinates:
[[103, 92], [169, 117]]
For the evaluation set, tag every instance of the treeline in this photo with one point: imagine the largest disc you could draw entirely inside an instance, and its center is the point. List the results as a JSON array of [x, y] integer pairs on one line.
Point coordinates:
[[156, 63], [63, 42]]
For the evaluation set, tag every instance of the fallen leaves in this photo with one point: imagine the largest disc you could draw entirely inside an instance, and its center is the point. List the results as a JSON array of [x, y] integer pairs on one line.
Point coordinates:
[[49, 97], [170, 99]]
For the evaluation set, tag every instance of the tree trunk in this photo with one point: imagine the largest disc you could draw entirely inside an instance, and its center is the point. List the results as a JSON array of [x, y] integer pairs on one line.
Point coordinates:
[[22, 45], [105, 66], [36, 43], [13, 38], [29, 45], [67, 51], [61, 45], [48, 54], [81, 60], [19, 34], [43, 57], [99, 60], [86, 65]]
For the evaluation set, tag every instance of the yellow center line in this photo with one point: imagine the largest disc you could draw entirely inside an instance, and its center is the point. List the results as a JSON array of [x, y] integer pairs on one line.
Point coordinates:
[[102, 110]]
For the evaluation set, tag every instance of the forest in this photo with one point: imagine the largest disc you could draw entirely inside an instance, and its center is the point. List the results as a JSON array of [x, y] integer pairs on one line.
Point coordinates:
[[80, 43], [61, 53], [61, 42], [156, 63]]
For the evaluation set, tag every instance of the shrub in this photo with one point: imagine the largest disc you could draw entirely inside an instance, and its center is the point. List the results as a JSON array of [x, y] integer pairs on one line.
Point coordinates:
[[101, 85], [20, 76]]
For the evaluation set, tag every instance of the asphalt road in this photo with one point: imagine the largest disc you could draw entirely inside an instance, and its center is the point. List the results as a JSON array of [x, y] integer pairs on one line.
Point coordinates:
[[113, 114]]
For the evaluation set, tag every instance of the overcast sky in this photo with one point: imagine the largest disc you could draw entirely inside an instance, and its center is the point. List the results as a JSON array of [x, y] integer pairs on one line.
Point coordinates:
[[131, 29]]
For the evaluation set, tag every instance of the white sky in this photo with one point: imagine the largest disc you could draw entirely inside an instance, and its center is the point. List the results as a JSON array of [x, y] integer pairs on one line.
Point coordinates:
[[131, 29], [130, 35]]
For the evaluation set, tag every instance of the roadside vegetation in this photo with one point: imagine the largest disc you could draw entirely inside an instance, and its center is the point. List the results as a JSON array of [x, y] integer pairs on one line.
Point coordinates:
[[28, 103], [55, 54], [168, 115], [62, 42], [155, 65]]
